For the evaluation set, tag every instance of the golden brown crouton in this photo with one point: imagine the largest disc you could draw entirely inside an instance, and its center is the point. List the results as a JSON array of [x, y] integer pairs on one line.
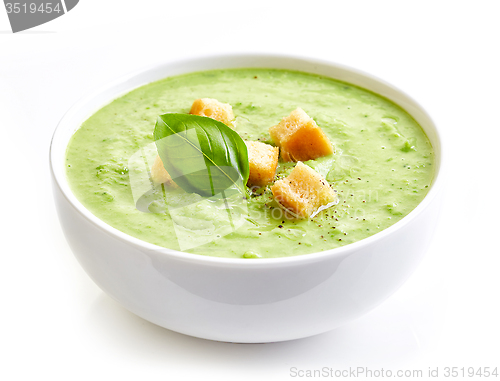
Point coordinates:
[[300, 138], [303, 191], [263, 159], [159, 174], [212, 108]]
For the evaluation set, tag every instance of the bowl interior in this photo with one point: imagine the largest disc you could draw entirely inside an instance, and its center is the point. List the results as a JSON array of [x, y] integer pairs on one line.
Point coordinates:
[[84, 108]]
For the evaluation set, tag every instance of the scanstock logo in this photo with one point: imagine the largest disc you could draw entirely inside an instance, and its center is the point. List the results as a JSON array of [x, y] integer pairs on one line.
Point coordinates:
[[28, 14]]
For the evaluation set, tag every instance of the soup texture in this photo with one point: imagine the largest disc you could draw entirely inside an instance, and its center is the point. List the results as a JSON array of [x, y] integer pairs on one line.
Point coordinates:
[[381, 168]]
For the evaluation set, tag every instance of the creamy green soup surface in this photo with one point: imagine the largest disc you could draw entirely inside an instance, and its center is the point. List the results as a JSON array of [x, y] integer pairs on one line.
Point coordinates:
[[382, 166]]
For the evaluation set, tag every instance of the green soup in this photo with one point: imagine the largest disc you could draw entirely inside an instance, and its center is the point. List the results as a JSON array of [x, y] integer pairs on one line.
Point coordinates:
[[382, 166]]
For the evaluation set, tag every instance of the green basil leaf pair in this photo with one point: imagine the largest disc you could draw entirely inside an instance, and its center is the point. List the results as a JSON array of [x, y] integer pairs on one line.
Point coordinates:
[[201, 155]]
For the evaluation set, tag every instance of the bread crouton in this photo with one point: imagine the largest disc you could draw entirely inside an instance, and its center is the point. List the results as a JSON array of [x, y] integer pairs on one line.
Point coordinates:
[[300, 138], [212, 108], [263, 159], [303, 191], [159, 174]]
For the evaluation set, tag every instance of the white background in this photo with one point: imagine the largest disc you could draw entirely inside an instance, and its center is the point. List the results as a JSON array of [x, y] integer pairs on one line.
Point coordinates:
[[56, 324]]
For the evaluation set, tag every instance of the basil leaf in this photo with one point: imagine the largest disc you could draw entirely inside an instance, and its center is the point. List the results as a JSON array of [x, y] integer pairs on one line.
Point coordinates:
[[201, 155]]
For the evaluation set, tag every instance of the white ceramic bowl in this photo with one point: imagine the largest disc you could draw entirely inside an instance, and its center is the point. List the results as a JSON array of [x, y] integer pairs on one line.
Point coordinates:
[[238, 300]]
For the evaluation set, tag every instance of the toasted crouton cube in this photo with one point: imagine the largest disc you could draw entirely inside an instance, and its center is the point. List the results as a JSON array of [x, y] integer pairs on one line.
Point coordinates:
[[300, 138], [303, 191], [263, 159], [212, 108], [159, 174]]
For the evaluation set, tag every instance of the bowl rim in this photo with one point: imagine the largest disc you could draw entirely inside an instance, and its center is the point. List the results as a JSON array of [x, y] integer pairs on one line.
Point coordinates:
[[60, 179]]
